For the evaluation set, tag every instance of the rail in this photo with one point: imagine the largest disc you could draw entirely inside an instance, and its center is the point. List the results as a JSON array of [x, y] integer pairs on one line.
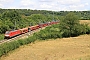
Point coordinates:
[[22, 36]]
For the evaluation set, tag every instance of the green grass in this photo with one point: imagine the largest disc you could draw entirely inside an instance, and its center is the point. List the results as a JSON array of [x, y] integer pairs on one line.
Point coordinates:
[[1, 36]]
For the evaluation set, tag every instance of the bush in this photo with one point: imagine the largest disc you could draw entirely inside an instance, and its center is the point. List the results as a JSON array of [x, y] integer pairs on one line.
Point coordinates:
[[88, 30], [1, 36], [6, 47], [49, 33]]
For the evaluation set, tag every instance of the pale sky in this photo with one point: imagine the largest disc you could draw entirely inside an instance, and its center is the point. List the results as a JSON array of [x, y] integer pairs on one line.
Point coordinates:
[[54, 5]]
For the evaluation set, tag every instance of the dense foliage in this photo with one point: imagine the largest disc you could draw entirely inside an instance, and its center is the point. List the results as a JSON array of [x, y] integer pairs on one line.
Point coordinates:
[[19, 18], [6, 47], [68, 27]]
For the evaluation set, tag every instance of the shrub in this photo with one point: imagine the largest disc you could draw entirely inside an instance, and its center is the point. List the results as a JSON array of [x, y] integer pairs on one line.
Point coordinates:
[[1, 36], [6, 47], [49, 33]]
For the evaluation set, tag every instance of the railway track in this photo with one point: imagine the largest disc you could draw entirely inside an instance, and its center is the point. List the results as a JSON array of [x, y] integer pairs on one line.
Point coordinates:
[[28, 33], [22, 36]]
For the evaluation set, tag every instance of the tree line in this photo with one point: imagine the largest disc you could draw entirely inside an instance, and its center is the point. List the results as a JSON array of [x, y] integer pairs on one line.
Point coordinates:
[[19, 18]]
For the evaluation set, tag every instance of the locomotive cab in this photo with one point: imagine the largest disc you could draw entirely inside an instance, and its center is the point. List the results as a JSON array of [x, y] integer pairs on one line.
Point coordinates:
[[10, 34], [7, 34]]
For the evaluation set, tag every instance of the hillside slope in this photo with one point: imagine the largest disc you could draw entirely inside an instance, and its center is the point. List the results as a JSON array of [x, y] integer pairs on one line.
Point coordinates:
[[72, 48]]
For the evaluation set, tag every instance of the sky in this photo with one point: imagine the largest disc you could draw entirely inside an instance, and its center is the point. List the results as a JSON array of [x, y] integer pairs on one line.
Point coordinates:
[[52, 5]]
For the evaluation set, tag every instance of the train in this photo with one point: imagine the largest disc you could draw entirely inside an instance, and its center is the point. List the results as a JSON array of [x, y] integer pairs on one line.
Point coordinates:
[[13, 33]]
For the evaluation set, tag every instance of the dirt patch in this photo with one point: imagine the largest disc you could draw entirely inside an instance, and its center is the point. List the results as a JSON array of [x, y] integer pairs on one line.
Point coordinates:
[[58, 49]]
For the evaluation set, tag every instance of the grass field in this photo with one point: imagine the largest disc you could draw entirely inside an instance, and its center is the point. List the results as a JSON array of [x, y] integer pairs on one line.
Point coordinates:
[[73, 48], [85, 22]]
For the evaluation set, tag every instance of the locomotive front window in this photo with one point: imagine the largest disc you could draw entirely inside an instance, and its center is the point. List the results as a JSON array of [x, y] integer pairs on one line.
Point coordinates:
[[7, 32]]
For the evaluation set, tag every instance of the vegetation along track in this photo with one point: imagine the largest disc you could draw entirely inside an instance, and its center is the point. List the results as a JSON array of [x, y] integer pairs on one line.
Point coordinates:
[[22, 36]]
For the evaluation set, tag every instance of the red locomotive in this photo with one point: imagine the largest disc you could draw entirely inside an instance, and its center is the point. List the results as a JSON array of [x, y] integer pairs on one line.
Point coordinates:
[[13, 33]]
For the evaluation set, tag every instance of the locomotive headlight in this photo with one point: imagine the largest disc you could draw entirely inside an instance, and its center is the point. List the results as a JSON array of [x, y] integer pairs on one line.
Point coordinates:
[[6, 35]]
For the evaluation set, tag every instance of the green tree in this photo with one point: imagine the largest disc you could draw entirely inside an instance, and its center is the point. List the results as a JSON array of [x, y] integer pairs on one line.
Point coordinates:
[[69, 24], [13, 19], [37, 18]]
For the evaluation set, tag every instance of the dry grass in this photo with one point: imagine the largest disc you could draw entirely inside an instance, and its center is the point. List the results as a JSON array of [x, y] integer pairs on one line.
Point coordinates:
[[74, 48], [85, 22]]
